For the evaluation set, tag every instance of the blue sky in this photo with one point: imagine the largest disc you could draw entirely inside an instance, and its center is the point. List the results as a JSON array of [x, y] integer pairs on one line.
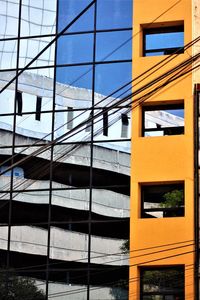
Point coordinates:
[[79, 48]]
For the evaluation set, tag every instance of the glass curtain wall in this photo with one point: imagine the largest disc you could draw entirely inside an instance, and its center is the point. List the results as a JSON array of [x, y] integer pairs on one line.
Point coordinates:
[[65, 82]]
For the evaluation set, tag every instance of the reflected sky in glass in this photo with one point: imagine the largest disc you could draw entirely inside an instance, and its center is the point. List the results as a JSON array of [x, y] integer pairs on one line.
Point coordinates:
[[110, 46]]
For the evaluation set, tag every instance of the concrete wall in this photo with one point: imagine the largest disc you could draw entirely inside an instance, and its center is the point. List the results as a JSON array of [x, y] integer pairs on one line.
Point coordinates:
[[106, 203], [104, 158], [65, 245], [67, 291]]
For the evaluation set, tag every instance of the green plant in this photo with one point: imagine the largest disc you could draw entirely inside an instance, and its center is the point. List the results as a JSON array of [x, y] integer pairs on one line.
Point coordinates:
[[173, 199], [13, 287], [125, 247]]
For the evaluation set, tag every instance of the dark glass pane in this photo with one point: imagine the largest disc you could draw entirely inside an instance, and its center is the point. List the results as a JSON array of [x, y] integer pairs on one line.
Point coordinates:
[[18, 282]]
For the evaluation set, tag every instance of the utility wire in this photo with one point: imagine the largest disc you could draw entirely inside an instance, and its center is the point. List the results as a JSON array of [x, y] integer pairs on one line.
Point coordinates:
[[169, 81], [174, 77], [103, 255], [99, 114], [132, 265], [153, 66], [178, 1]]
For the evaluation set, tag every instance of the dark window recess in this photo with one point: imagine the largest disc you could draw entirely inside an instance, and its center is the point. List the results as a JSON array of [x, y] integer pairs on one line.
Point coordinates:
[[105, 123], [19, 103], [38, 108], [70, 115], [88, 125], [163, 283], [163, 40], [162, 200], [161, 120], [125, 122]]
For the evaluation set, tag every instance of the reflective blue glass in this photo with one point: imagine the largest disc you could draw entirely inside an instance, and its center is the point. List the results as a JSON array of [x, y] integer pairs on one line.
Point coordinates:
[[68, 10], [114, 14]]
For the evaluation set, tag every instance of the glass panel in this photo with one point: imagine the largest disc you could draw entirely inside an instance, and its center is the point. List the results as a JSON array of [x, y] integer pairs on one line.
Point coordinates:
[[32, 86], [38, 17], [8, 54], [114, 45], [21, 285], [109, 77], [75, 49], [62, 125], [70, 78], [114, 14], [163, 40], [113, 129], [73, 89], [5, 78], [69, 237], [30, 48], [7, 99], [27, 270], [9, 13], [70, 9], [5, 183]]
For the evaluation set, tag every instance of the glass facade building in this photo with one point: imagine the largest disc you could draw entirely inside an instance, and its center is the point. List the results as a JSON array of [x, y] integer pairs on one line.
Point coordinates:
[[65, 116], [65, 81]]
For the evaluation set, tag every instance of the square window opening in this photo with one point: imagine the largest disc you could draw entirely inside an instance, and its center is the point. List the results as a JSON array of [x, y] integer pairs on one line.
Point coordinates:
[[125, 123], [19, 103], [162, 200], [38, 108], [162, 283], [70, 116], [163, 40], [162, 120], [89, 123], [105, 122]]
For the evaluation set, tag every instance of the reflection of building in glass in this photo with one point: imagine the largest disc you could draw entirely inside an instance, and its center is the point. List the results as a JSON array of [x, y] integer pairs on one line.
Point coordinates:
[[65, 204], [65, 145], [69, 193]]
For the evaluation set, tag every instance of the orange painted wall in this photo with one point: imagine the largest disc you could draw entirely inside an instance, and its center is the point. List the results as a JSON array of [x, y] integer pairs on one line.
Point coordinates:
[[162, 159]]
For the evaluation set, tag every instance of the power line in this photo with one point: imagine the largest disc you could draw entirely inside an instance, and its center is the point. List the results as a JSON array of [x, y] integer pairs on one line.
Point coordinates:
[[178, 1], [165, 59], [158, 79], [132, 265], [108, 108]]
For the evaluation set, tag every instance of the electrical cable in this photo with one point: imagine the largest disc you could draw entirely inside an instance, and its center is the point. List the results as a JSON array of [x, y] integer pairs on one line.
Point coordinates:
[[131, 265], [170, 57], [179, 67], [110, 107]]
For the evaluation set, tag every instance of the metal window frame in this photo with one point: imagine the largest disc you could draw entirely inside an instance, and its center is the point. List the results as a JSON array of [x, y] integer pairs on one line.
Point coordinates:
[[162, 29]]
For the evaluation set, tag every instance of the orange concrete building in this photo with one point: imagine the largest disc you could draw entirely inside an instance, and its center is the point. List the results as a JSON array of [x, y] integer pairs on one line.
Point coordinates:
[[162, 235]]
